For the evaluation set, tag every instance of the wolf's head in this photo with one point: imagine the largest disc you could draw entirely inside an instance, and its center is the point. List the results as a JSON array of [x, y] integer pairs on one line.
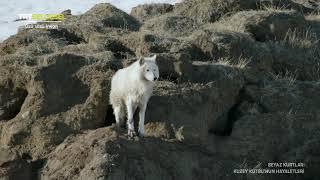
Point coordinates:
[[149, 68]]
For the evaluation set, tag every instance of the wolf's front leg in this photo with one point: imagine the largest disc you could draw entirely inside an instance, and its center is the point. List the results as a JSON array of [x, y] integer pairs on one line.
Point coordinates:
[[119, 115], [142, 113], [130, 121]]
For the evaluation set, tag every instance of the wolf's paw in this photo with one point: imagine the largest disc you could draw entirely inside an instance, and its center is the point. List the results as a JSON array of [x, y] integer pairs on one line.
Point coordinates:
[[119, 125], [141, 134], [131, 133], [141, 131]]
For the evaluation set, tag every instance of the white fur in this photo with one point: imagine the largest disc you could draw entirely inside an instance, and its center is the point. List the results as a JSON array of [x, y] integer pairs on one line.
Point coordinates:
[[131, 87]]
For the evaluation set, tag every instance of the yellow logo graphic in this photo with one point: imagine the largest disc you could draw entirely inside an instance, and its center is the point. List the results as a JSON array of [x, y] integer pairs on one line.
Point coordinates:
[[47, 17], [41, 17]]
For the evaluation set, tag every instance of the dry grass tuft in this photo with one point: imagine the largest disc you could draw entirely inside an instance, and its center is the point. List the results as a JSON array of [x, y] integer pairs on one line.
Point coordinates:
[[273, 6], [314, 73], [239, 62], [314, 16], [301, 39], [287, 77], [226, 23]]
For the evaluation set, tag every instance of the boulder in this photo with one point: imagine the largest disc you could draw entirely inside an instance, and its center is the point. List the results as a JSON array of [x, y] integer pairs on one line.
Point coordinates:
[[264, 25], [186, 108], [31, 41], [170, 25], [66, 93], [298, 58], [302, 6], [204, 72], [194, 109], [66, 12], [111, 43], [147, 11], [13, 166], [204, 11], [145, 43], [100, 19], [285, 96], [174, 66], [211, 44], [106, 153], [271, 138]]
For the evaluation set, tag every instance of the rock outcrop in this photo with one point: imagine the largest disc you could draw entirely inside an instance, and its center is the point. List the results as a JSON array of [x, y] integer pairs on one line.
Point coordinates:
[[147, 11]]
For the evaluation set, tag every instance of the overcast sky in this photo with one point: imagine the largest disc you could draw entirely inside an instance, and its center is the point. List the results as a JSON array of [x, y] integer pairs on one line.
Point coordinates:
[[9, 9]]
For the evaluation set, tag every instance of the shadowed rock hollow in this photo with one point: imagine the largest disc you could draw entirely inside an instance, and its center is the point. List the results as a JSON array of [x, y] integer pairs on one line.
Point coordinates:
[[239, 88]]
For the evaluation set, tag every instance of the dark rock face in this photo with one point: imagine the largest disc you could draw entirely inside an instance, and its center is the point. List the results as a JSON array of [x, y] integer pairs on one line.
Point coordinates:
[[239, 88], [11, 102], [13, 166]]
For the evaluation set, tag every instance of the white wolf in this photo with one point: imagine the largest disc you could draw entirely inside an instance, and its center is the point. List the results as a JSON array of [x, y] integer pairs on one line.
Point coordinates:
[[131, 87]]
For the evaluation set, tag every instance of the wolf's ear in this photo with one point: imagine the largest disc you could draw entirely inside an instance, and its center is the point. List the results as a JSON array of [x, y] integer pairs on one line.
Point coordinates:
[[154, 58], [141, 61]]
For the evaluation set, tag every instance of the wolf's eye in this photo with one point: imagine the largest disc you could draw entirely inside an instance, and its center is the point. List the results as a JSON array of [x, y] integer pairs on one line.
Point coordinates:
[[147, 69]]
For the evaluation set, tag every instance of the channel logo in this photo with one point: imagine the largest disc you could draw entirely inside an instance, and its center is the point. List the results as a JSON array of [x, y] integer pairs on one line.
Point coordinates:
[[40, 17]]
